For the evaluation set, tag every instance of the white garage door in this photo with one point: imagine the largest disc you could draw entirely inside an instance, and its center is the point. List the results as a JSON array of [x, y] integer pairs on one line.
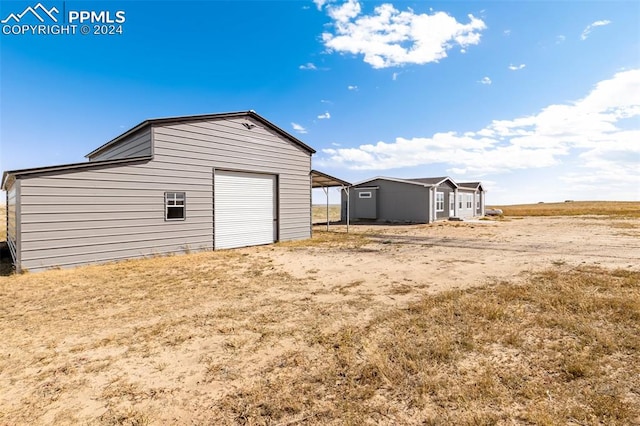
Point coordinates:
[[244, 209]]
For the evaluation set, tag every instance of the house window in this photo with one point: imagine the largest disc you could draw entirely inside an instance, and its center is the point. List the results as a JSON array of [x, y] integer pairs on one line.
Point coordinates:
[[469, 201], [364, 195], [460, 200], [452, 202], [439, 201], [174, 206], [477, 201]]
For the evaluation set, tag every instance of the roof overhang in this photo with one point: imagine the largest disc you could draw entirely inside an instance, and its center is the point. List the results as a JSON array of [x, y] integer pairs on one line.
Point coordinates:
[[37, 171], [203, 117], [323, 180], [393, 180]]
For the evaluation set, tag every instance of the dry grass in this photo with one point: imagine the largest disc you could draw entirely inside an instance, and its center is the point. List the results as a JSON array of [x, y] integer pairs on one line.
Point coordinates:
[[561, 349], [575, 208], [227, 338], [319, 213]]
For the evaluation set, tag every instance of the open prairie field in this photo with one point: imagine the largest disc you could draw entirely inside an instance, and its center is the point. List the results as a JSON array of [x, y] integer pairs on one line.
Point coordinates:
[[575, 208], [515, 321], [319, 213]]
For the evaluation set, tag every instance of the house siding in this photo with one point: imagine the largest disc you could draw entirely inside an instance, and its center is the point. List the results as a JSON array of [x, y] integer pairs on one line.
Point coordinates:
[[464, 211], [446, 188], [397, 201], [136, 145], [201, 146]]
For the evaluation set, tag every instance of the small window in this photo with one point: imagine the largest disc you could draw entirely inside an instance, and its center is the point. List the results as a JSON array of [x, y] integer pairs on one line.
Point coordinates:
[[174, 206], [452, 202], [460, 200], [469, 201], [477, 201], [439, 201], [364, 195]]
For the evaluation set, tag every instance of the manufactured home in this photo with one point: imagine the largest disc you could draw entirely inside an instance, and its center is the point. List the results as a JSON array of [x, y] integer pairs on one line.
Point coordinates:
[[168, 185], [422, 200]]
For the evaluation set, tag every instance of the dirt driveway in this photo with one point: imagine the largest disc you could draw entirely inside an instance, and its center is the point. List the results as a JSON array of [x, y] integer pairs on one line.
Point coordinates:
[[397, 263]]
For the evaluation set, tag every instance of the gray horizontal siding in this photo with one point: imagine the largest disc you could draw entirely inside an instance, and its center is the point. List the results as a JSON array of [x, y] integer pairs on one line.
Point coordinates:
[[108, 214], [397, 201], [136, 145], [227, 144]]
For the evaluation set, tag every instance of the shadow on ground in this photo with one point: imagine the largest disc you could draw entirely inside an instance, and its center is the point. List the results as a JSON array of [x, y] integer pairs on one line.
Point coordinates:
[[6, 267]]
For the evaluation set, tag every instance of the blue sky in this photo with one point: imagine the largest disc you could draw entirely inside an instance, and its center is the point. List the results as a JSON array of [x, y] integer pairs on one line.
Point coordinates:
[[538, 100]]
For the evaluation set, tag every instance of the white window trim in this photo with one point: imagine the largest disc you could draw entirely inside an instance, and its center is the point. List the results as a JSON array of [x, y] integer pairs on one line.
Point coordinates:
[[174, 199], [439, 201], [364, 194], [469, 201]]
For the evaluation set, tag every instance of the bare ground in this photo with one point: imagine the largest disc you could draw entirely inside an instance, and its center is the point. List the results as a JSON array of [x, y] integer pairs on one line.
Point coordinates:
[[213, 338]]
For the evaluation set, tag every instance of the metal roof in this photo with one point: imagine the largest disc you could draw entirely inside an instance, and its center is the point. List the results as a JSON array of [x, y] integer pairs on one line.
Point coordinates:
[[323, 180], [72, 166], [202, 117]]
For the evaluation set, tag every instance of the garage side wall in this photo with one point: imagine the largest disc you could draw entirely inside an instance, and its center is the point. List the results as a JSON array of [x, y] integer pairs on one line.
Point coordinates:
[[227, 144], [107, 214]]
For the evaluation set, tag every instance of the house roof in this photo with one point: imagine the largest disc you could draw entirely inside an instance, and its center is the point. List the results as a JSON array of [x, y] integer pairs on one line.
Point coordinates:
[[323, 180], [471, 185], [202, 117], [426, 182], [66, 167], [433, 181]]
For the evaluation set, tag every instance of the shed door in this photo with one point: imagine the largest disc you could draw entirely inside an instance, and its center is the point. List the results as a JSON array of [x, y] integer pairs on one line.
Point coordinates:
[[244, 209]]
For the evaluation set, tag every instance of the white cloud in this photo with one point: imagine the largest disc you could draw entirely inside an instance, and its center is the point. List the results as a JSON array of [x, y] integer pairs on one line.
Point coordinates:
[[507, 32], [335, 144], [516, 67], [298, 128], [308, 66], [325, 116], [389, 37], [599, 133], [591, 26], [485, 80], [560, 39], [320, 3], [352, 87], [394, 76], [325, 101]]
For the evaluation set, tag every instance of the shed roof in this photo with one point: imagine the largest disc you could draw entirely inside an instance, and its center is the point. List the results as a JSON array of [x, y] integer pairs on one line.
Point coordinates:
[[320, 180], [202, 117]]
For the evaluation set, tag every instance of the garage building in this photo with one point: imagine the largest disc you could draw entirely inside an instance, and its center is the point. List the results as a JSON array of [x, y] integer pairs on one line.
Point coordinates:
[[168, 185]]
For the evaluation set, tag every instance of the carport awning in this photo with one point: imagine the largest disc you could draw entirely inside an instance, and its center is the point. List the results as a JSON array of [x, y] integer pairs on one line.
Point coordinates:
[[323, 180]]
